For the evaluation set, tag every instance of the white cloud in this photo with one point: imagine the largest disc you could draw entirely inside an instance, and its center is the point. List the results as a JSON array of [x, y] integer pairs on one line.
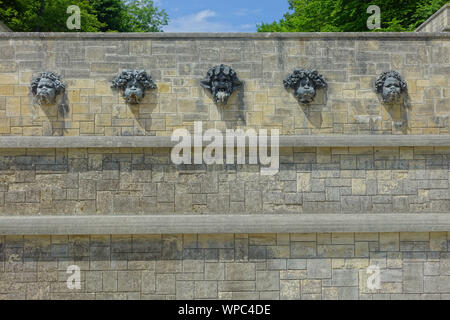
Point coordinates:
[[203, 15], [199, 22]]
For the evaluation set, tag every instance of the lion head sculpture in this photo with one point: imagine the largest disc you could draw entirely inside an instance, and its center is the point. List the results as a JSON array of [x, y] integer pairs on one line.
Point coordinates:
[[221, 81], [46, 86], [391, 86], [305, 83], [133, 84]]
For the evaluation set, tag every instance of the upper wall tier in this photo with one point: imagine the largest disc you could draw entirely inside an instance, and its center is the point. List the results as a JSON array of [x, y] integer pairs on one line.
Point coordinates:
[[349, 62]]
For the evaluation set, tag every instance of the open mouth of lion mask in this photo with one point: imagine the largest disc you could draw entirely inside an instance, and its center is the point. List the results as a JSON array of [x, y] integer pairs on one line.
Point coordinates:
[[221, 93]]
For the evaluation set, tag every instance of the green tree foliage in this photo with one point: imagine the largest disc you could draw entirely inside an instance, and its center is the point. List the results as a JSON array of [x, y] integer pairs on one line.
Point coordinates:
[[111, 13], [96, 15], [143, 16], [46, 16], [351, 16]]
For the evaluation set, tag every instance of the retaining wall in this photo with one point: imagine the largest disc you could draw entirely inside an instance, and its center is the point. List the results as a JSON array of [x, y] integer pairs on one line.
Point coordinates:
[[360, 183]]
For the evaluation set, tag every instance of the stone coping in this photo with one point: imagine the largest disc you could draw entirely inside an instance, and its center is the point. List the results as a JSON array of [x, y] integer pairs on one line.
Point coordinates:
[[224, 35], [426, 22], [4, 27], [36, 142], [214, 224]]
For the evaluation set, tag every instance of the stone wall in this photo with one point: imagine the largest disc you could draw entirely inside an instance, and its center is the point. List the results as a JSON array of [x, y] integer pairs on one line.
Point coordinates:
[[228, 266], [143, 181], [349, 63]]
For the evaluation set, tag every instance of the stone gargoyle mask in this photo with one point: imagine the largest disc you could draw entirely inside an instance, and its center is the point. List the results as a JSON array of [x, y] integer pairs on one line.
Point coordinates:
[[133, 84], [305, 83], [221, 81], [46, 86], [391, 86]]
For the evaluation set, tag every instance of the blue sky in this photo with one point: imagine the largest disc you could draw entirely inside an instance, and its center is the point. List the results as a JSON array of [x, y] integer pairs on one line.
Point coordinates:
[[220, 16]]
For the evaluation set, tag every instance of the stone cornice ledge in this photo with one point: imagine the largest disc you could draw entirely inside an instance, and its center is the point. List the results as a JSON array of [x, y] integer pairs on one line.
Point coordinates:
[[36, 142], [223, 35], [437, 13], [256, 223]]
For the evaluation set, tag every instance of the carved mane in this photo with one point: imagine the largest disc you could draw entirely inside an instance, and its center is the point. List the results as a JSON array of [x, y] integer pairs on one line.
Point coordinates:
[[298, 74], [121, 80]]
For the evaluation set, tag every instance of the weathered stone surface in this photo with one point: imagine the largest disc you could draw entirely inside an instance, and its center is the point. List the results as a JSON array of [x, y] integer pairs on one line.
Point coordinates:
[[129, 281], [289, 289], [340, 293], [165, 284], [344, 277], [351, 155], [240, 271], [267, 280], [303, 249], [318, 268], [122, 184], [311, 286], [206, 290], [133, 267]]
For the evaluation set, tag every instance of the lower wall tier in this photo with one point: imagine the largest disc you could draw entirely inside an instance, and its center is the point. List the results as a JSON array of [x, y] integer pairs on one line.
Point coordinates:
[[228, 266], [144, 180]]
